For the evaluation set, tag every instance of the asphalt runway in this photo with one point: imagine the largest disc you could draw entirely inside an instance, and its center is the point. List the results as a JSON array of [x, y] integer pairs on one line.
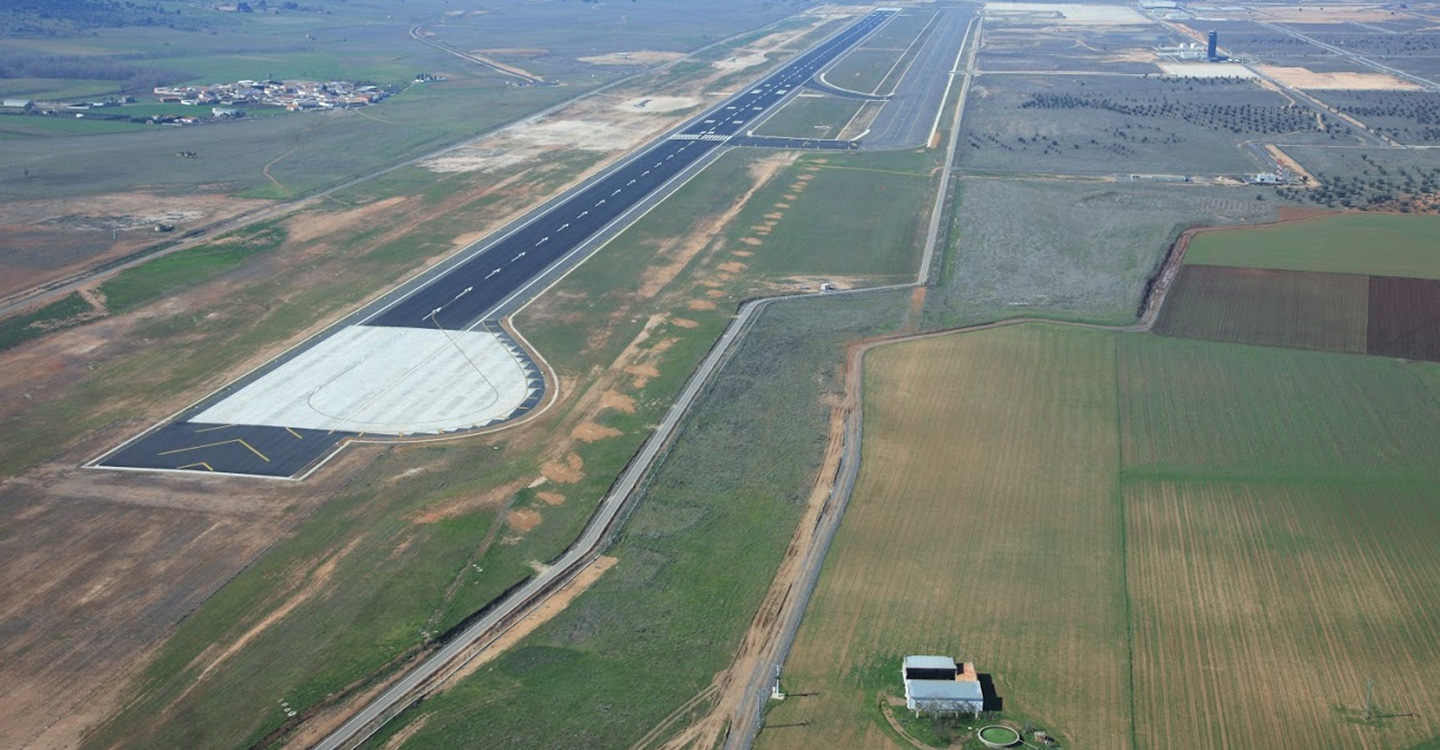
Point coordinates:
[[468, 293], [906, 119], [472, 291]]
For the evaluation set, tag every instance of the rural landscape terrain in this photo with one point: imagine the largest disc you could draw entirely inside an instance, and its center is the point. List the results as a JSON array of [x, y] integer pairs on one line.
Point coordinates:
[[661, 374]]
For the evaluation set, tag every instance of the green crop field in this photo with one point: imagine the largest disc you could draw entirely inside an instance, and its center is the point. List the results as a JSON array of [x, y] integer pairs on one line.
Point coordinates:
[[1253, 413], [1148, 542], [1326, 311], [1378, 244]]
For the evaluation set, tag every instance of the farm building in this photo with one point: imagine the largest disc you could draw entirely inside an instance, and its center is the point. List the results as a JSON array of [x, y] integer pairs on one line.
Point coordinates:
[[935, 684]]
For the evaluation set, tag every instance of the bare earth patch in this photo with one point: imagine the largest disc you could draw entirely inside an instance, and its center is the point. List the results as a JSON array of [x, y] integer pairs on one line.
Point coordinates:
[[658, 104], [1304, 78], [568, 471], [46, 240], [310, 225], [492, 498], [642, 56], [590, 431], [617, 401], [522, 520], [550, 498]]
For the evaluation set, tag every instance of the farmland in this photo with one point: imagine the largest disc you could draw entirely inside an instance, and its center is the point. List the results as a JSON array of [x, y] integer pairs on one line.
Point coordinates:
[[1383, 245], [1326, 311], [1404, 318], [1237, 531], [1354, 283], [998, 503]]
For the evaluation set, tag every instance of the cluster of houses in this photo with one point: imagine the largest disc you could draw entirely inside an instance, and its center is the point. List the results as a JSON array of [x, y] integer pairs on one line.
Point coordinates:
[[292, 95]]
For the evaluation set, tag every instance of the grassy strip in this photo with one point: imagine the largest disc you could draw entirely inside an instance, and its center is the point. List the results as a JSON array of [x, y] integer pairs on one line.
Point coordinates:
[[820, 218], [54, 316], [811, 117], [176, 272], [694, 559], [389, 559]]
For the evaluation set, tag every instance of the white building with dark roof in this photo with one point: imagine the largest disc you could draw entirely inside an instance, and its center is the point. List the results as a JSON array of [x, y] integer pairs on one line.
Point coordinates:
[[935, 684]]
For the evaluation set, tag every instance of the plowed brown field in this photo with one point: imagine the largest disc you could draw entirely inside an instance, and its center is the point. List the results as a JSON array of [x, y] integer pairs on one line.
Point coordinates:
[[1404, 318], [1325, 311]]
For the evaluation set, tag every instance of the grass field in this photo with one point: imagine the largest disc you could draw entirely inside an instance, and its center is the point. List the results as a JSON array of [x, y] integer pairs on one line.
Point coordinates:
[[1384, 245], [1150, 542], [695, 558], [1323, 311], [816, 218], [811, 117], [1065, 249]]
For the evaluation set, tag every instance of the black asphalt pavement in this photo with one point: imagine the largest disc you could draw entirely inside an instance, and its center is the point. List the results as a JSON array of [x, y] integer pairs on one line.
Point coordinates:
[[230, 449], [472, 291]]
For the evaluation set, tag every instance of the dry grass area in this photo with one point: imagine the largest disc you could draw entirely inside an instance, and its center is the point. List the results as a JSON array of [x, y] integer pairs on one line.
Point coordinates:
[[1306, 79], [105, 563], [984, 524], [637, 57], [49, 239], [97, 568]]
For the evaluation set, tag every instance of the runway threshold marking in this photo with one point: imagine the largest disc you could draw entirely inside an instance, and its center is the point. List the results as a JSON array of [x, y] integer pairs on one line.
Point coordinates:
[[241, 441], [212, 429]]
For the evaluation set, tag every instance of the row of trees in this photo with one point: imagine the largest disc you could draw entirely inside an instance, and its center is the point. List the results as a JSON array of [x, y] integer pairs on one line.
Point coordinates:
[[130, 77], [1237, 118], [1405, 190]]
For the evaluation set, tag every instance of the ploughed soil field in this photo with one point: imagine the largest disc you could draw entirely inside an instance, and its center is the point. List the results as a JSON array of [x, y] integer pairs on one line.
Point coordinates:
[[1146, 542], [1308, 285]]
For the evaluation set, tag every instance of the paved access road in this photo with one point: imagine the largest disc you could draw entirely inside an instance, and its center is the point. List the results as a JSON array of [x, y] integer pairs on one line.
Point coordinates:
[[474, 291]]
